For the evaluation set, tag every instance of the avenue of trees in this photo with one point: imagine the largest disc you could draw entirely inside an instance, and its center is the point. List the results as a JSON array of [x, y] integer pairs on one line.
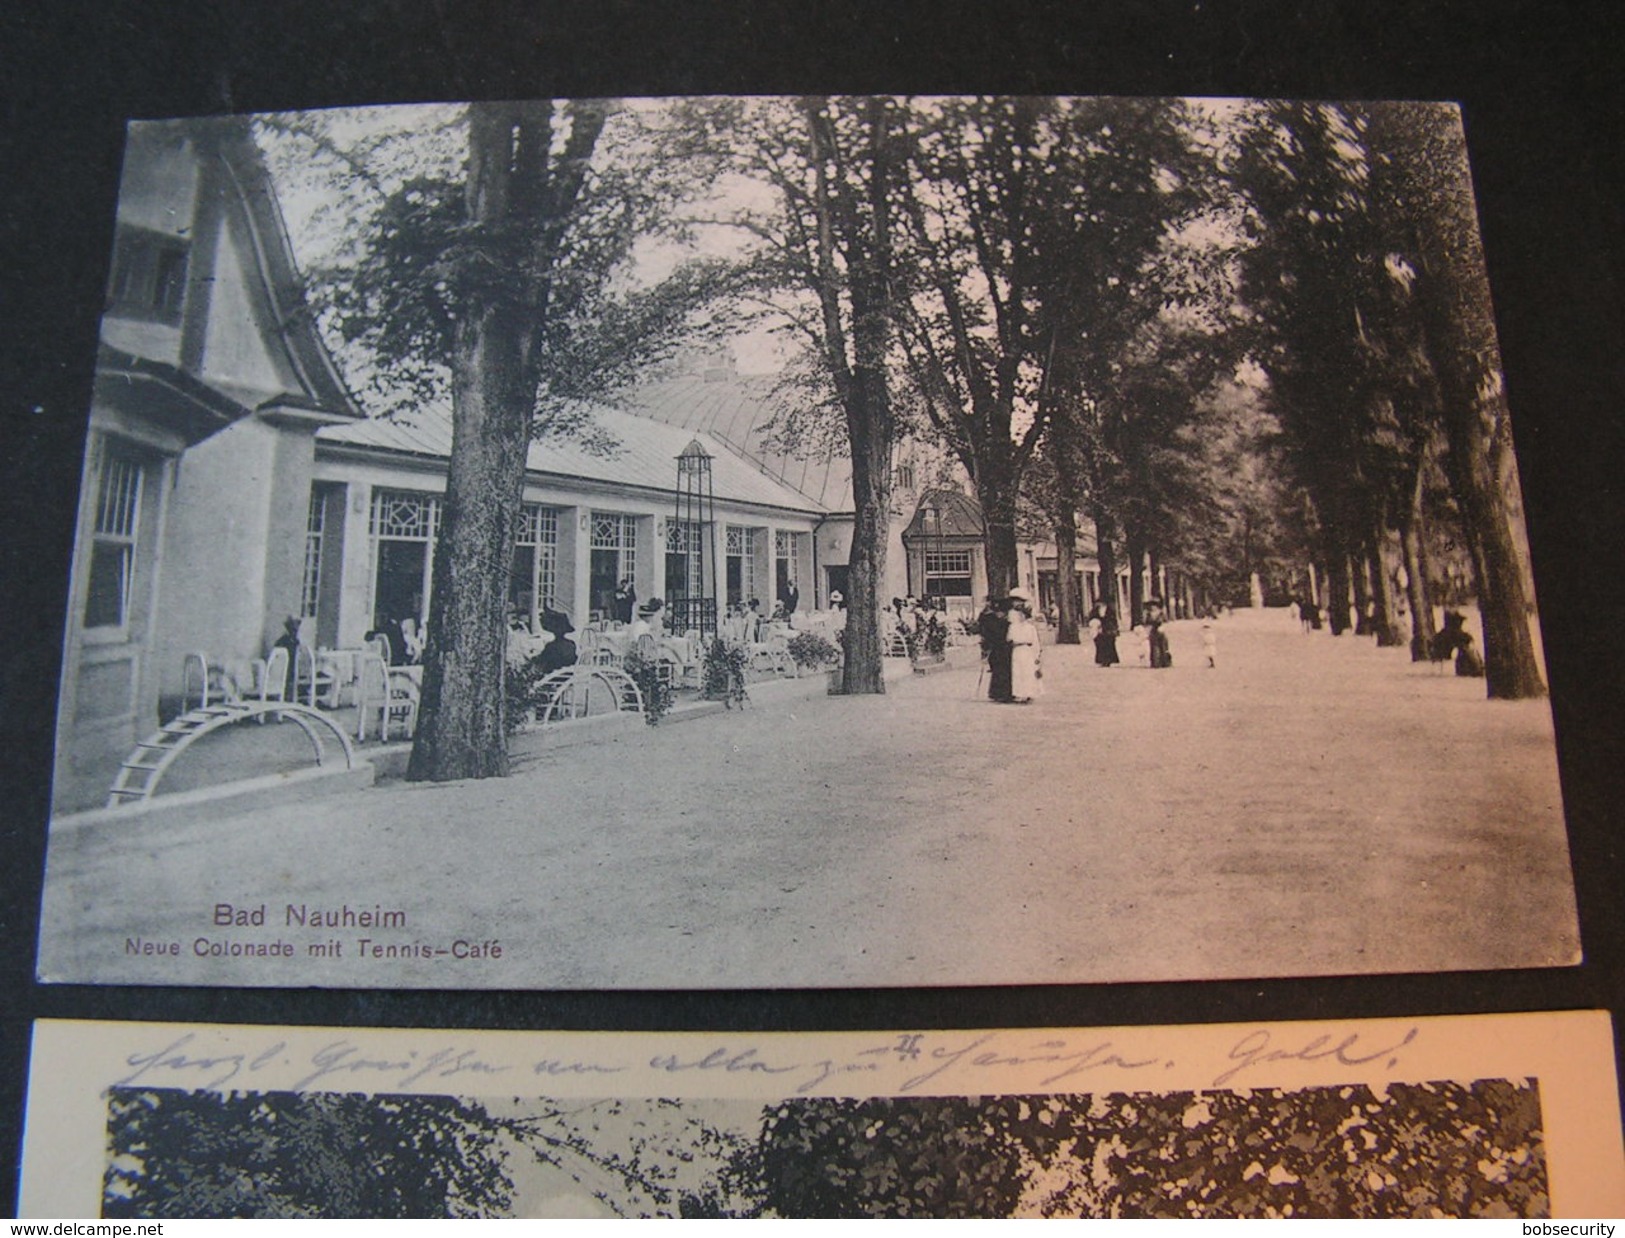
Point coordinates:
[[1217, 341]]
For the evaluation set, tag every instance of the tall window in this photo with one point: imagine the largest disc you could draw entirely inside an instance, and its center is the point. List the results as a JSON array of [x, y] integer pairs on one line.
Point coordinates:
[[315, 531], [741, 564], [685, 566], [113, 537], [534, 580], [947, 573], [614, 550], [404, 526], [786, 564]]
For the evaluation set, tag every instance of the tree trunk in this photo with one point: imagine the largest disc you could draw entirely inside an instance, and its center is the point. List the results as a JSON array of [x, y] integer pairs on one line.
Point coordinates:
[[1413, 548], [853, 213], [1068, 605], [869, 425], [1511, 669], [1385, 596], [1359, 568], [1337, 585], [1136, 577], [1106, 559], [461, 730], [995, 491]]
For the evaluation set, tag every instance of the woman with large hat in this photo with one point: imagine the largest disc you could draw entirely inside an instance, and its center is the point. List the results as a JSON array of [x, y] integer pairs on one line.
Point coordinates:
[[1025, 683]]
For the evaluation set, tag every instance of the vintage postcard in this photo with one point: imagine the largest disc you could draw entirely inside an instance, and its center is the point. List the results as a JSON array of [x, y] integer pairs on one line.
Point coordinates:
[[1488, 1116], [724, 543]]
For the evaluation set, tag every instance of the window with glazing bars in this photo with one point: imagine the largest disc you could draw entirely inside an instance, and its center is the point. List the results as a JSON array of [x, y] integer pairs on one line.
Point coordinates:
[[614, 531], [405, 515], [787, 550], [113, 539], [539, 528], [315, 528]]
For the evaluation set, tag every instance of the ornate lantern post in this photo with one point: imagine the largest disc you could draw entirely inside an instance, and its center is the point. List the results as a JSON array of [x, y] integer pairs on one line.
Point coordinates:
[[691, 535]]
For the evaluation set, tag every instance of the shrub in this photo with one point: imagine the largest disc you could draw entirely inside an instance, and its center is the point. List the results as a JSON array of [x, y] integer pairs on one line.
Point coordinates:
[[809, 650], [657, 694], [722, 673], [521, 682]]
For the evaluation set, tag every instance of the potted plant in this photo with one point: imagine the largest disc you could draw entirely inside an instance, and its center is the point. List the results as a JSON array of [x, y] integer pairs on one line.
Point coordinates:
[[722, 672], [652, 686], [809, 651]]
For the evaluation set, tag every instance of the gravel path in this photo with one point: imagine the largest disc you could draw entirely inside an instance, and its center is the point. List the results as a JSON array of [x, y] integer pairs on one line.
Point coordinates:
[[1311, 806]]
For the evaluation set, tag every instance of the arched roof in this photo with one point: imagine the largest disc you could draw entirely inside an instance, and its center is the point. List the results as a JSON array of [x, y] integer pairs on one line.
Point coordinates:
[[960, 516], [736, 409]]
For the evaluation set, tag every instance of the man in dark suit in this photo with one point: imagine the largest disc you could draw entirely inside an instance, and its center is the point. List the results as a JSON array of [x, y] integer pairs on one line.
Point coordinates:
[[993, 626]]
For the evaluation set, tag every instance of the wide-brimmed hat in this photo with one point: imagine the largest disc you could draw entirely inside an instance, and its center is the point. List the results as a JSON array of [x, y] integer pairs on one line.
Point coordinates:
[[1020, 595]]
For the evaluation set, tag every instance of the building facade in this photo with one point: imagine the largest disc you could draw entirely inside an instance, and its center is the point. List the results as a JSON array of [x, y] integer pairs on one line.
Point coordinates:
[[210, 386]]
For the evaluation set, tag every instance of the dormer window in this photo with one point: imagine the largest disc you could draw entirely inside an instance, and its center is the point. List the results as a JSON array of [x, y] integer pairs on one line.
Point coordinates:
[[149, 274]]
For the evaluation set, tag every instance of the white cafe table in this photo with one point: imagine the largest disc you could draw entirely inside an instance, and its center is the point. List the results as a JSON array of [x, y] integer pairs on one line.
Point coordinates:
[[342, 664]]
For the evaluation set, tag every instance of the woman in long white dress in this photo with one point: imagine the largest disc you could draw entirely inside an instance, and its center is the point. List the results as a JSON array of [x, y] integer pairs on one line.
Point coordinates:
[[1024, 681]]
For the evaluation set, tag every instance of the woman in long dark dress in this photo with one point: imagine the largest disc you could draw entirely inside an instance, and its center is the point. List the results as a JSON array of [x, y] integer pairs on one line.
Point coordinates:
[[1105, 636]]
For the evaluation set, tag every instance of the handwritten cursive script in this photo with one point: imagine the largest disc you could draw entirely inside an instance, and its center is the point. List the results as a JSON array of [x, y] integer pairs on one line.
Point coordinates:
[[1256, 1048]]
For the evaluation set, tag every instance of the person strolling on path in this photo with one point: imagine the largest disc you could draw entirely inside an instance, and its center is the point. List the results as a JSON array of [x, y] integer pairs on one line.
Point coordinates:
[[993, 626], [1156, 640], [1103, 622], [1025, 683]]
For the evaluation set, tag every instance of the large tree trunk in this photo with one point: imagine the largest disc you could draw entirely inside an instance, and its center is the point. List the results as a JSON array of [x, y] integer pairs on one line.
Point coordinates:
[[1337, 584], [1106, 558], [1413, 546], [995, 491], [1068, 605], [1510, 666], [1359, 565], [1384, 595], [870, 432], [462, 730], [461, 715], [1134, 548], [854, 220]]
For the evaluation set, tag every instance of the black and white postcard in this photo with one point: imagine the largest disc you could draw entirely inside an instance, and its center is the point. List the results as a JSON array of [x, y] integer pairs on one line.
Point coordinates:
[[1486, 1116], [801, 543]]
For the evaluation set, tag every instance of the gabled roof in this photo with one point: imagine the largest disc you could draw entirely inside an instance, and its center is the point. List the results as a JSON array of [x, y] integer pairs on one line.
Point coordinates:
[[955, 515], [280, 281], [645, 456]]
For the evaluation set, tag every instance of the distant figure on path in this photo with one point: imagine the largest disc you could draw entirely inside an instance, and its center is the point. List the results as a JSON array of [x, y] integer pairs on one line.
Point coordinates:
[[1103, 619], [1456, 640], [1210, 644], [1156, 642], [1025, 681], [993, 626]]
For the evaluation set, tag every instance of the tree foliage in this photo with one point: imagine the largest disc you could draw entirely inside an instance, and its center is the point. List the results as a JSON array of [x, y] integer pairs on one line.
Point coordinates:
[[826, 265], [1411, 1150], [345, 1155], [1371, 313], [202, 1154], [498, 273]]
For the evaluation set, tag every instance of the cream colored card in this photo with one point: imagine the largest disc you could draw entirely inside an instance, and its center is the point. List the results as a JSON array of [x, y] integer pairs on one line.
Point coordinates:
[[1494, 1115]]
